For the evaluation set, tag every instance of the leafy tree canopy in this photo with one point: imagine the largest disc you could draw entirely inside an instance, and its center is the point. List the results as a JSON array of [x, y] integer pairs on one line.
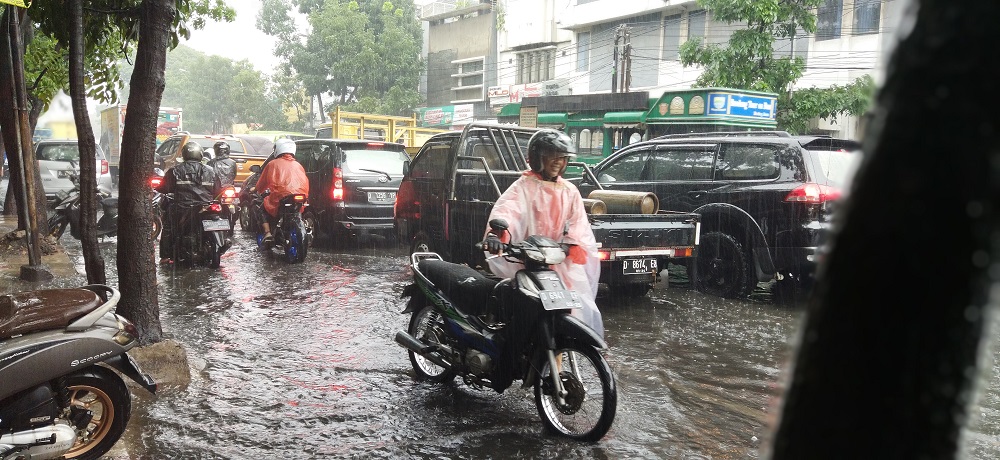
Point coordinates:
[[748, 60], [111, 29], [367, 52]]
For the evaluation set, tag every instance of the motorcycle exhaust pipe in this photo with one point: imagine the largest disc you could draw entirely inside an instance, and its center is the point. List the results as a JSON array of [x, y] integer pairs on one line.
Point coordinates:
[[419, 348]]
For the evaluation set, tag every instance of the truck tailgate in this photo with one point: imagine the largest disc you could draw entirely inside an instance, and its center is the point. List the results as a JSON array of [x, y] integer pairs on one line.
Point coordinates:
[[665, 234]]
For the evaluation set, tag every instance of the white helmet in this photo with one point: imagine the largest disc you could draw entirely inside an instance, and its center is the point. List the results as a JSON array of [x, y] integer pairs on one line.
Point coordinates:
[[283, 146]]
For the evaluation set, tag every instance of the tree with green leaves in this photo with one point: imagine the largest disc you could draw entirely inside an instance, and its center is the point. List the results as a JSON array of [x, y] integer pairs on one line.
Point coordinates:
[[748, 60], [366, 52], [108, 30]]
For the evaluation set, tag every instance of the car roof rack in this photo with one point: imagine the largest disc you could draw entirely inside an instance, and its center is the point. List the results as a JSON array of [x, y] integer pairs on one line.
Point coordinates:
[[726, 134]]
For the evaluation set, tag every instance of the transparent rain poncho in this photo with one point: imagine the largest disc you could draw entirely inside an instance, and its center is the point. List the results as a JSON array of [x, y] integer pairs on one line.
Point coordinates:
[[533, 206]]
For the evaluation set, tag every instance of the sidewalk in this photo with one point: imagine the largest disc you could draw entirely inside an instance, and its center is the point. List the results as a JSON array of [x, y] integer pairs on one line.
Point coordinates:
[[59, 263]]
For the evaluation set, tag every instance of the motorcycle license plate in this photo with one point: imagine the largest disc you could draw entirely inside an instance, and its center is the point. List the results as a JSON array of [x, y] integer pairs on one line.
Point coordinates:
[[381, 197], [213, 225], [638, 266], [560, 299]]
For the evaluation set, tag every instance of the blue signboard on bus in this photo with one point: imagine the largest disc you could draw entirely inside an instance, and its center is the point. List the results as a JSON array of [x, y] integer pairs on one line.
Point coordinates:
[[741, 105]]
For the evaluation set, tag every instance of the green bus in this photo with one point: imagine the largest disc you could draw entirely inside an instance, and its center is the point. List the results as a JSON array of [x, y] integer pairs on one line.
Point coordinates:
[[603, 123]]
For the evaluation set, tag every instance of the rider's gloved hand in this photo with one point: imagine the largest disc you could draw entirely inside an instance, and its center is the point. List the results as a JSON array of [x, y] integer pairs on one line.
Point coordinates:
[[493, 244], [577, 255]]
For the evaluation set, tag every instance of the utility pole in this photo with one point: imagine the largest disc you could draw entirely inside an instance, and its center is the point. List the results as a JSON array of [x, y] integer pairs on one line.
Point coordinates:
[[621, 70], [614, 60], [626, 73]]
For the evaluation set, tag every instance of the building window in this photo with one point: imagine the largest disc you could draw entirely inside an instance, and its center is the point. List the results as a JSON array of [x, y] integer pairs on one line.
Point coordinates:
[[828, 19], [696, 24], [866, 16], [671, 37], [583, 51], [536, 66]]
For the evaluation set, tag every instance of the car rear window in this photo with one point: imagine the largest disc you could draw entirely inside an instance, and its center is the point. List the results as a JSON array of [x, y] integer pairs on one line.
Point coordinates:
[[63, 152], [235, 147], [837, 166], [387, 161]]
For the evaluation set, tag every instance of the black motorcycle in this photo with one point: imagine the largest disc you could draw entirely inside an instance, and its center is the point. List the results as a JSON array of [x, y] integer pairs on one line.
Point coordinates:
[[60, 396], [492, 332], [202, 233], [291, 235], [66, 212]]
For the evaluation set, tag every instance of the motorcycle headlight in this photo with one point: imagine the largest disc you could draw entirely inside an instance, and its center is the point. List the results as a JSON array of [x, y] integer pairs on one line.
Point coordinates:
[[127, 332]]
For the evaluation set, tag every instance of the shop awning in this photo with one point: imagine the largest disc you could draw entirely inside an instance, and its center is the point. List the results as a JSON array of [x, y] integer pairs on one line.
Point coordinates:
[[552, 119], [510, 110], [623, 119]]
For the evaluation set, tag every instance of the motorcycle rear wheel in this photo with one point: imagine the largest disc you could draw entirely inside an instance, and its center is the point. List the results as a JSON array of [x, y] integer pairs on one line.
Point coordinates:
[[591, 403], [423, 324], [101, 391]]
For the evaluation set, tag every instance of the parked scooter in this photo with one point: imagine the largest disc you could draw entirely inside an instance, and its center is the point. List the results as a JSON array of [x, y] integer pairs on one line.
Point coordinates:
[[55, 400], [291, 235], [492, 332], [203, 234], [66, 212]]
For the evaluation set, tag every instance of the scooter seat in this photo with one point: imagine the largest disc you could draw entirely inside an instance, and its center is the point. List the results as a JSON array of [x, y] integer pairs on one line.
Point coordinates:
[[45, 309], [466, 287]]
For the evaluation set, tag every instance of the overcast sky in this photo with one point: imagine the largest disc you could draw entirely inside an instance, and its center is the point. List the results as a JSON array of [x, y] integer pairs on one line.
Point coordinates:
[[239, 39]]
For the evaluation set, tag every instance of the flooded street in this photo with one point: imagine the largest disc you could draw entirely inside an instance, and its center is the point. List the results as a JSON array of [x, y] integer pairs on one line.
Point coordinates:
[[298, 361]]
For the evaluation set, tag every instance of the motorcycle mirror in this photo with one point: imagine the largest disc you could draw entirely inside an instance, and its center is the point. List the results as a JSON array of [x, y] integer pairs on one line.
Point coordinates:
[[498, 226], [255, 168]]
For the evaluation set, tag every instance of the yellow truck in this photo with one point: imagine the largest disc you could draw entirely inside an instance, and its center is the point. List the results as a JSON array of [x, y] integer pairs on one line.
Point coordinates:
[[385, 128]]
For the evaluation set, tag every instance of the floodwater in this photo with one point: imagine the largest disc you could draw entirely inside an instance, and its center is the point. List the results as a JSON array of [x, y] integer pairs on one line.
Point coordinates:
[[298, 361]]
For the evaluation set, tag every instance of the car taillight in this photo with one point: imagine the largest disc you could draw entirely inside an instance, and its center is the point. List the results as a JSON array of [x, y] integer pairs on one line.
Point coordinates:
[[337, 193], [376, 144], [104, 167], [812, 194], [215, 207], [406, 205]]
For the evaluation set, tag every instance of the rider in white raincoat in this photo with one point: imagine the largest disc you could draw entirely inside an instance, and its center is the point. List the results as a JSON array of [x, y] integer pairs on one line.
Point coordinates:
[[541, 202]]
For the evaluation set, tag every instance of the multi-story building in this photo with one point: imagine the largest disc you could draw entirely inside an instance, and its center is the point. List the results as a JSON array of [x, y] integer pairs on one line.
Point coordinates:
[[546, 47]]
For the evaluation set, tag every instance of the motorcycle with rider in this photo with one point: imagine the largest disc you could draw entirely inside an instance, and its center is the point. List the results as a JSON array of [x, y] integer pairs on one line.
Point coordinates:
[[196, 229], [280, 197]]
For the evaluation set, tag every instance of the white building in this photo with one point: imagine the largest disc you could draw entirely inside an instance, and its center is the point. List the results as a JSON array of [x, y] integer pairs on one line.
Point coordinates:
[[546, 47]]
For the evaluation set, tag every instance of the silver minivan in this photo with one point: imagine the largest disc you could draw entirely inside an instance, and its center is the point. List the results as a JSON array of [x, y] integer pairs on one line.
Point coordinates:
[[58, 159]]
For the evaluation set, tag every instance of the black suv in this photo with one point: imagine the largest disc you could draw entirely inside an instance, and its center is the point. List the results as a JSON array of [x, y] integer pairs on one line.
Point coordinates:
[[352, 185], [765, 199]]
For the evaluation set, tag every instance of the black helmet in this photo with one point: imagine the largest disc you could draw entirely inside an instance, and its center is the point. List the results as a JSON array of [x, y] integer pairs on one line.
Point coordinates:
[[192, 151], [221, 149], [549, 142]]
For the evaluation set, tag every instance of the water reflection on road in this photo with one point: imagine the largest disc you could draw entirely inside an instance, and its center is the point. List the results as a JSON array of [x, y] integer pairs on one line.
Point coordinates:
[[298, 361]]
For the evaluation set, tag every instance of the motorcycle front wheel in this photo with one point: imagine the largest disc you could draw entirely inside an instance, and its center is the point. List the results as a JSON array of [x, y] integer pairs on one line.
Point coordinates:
[[425, 325], [57, 226], [591, 401], [102, 392]]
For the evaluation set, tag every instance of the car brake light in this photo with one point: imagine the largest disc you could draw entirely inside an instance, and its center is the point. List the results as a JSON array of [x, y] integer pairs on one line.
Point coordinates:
[[215, 207], [376, 144], [104, 167], [337, 193], [812, 194]]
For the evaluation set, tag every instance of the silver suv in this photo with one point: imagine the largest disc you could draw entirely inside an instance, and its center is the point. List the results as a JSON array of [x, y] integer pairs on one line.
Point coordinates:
[[60, 159]]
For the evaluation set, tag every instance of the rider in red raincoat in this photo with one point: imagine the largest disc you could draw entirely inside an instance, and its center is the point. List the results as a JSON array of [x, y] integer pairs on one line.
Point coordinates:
[[283, 176]]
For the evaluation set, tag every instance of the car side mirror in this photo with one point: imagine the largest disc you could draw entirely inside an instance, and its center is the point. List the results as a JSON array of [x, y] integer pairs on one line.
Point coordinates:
[[255, 168], [406, 168], [498, 226]]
